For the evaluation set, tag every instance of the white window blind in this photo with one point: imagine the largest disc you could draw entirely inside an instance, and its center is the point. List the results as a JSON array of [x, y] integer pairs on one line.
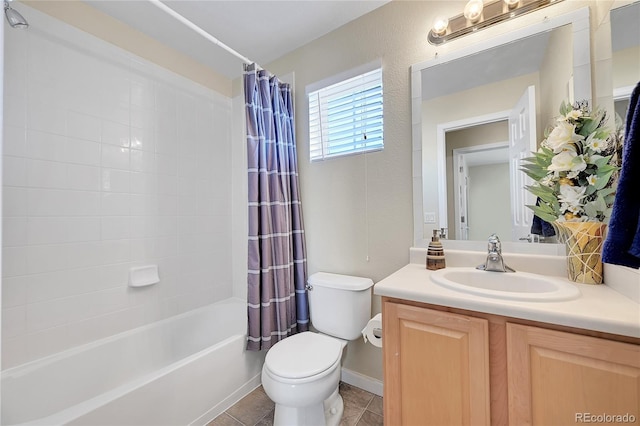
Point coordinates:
[[347, 117]]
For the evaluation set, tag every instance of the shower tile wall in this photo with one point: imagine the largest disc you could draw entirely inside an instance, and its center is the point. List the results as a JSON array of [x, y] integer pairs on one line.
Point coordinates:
[[109, 162]]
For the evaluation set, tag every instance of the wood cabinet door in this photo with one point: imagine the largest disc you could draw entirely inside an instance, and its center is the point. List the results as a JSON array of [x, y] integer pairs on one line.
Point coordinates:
[[436, 367], [558, 378]]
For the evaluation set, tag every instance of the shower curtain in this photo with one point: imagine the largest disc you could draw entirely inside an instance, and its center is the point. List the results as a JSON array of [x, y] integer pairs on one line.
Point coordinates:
[[277, 298]]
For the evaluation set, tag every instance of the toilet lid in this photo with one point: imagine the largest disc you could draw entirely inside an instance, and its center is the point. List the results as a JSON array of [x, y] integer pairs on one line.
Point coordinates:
[[303, 355]]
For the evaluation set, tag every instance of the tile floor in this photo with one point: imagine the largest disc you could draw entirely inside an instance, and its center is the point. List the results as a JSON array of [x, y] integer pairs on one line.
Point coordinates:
[[361, 408]]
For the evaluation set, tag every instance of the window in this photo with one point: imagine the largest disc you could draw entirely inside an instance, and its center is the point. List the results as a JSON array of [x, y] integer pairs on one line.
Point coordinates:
[[346, 117]]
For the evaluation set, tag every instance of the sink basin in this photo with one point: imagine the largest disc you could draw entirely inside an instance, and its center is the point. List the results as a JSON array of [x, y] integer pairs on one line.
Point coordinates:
[[506, 285]]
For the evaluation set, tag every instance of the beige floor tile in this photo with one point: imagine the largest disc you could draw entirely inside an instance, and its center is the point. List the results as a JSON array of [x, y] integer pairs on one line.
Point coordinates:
[[375, 406], [266, 420], [370, 419], [252, 408], [349, 421], [355, 397], [256, 409], [224, 420]]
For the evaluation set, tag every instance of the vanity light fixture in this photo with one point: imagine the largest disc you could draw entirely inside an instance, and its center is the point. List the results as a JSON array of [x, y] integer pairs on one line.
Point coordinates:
[[440, 25], [478, 14], [473, 10]]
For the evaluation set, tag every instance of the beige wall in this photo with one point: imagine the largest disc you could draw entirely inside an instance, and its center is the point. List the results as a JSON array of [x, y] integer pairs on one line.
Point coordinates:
[[556, 71], [626, 67], [358, 210]]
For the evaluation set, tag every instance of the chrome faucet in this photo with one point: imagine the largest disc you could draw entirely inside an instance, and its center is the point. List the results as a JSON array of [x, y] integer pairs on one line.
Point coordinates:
[[494, 261]]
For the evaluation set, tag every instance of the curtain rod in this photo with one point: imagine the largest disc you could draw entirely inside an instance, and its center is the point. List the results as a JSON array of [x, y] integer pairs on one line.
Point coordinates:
[[199, 30]]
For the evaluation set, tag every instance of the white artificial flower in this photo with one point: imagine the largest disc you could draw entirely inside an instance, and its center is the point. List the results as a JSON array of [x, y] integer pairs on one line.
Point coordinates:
[[592, 179], [574, 114], [562, 137], [571, 197], [567, 161], [575, 210], [547, 180], [579, 164], [573, 175], [595, 144]]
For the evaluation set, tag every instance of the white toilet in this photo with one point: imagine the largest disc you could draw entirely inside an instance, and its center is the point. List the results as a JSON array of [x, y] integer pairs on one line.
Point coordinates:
[[301, 373]]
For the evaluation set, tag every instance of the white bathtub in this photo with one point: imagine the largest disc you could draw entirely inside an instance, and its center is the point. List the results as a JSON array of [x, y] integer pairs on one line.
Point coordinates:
[[183, 370]]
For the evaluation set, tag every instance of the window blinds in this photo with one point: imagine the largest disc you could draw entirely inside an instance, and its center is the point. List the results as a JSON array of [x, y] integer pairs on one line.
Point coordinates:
[[347, 117]]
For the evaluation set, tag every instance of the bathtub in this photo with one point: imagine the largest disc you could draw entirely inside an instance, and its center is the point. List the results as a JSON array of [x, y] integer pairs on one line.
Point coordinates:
[[183, 370]]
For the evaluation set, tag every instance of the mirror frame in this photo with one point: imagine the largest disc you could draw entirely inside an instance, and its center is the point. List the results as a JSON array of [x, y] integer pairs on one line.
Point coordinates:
[[579, 19]]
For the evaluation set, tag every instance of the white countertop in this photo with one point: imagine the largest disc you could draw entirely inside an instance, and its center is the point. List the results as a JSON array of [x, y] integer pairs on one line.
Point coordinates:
[[600, 308]]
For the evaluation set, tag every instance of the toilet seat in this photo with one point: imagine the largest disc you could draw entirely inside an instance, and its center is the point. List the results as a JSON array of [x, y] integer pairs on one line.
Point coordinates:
[[303, 356]]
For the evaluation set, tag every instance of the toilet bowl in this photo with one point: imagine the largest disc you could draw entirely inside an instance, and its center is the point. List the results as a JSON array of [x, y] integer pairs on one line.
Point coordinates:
[[301, 374]]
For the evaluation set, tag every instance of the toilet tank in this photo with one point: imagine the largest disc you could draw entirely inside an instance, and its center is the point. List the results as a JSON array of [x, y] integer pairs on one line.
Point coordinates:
[[339, 305]]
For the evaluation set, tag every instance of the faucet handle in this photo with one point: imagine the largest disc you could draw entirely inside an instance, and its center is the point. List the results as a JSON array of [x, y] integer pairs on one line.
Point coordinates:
[[494, 244]]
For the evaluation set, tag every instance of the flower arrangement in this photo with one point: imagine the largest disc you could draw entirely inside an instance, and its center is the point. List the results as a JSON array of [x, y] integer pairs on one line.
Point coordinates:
[[573, 170]]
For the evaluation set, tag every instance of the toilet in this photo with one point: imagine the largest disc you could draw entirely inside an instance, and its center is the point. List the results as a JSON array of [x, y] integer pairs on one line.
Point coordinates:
[[301, 373]]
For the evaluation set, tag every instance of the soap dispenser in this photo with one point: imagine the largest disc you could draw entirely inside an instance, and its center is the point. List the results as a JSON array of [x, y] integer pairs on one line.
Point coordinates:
[[435, 253]]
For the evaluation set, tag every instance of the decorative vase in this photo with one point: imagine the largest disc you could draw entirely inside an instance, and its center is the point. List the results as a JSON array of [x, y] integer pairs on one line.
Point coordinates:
[[584, 246]]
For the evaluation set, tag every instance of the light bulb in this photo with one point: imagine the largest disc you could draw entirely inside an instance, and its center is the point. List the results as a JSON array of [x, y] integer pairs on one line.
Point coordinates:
[[440, 25], [473, 10]]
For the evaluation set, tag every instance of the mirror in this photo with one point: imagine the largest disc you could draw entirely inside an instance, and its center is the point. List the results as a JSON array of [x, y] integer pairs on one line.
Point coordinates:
[[454, 109], [625, 47]]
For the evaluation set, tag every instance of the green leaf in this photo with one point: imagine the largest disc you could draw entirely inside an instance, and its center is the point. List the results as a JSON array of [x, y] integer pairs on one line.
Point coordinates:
[[545, 195], [608, 191], [601, 161], [602, 133], [534, 172], [542, 214], [603, 179], [590, 210], [565, 108], [588, 127], [595, 207]]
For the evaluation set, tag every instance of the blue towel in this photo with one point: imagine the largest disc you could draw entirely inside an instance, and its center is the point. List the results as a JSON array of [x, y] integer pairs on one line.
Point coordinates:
[[622, 246], [541, 227]]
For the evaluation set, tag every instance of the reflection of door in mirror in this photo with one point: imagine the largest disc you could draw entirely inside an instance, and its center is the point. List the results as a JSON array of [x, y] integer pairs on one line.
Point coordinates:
[[522, 141], [478, 179], [461, 188], [485, 187]]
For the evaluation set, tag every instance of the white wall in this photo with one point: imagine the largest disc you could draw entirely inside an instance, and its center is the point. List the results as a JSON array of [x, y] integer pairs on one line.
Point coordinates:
[[109, 162]]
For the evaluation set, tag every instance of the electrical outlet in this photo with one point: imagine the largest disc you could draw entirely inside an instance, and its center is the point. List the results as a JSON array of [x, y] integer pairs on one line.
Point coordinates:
[[429, 217]]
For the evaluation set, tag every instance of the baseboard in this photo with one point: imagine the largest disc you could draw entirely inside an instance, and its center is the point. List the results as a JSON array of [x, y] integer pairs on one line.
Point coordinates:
[[363, 382], [228, 402]]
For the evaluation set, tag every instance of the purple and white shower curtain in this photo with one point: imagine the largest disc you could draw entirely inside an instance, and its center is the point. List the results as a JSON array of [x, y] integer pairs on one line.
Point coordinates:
[[277, 298]]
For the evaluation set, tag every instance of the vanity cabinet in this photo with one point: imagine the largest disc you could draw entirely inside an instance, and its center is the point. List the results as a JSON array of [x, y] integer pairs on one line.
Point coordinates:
[[436, 367], [561, 378], [446, 366]]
